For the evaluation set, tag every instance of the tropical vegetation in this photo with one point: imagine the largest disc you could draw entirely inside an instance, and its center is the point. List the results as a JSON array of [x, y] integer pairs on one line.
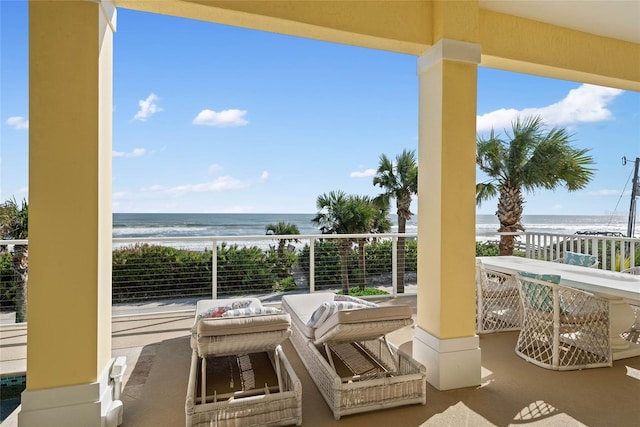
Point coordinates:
[[14, 225], [379, 259], [282, 229], [399, 180], [530, 158], [339, 213]]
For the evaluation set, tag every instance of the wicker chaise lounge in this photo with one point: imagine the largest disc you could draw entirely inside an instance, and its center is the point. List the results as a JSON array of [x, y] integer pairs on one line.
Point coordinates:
[[239, 374], [342, 343]]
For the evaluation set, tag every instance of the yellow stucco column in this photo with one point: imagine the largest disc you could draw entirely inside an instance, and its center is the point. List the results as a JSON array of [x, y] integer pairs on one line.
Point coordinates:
[[445, 340], [69, 295]]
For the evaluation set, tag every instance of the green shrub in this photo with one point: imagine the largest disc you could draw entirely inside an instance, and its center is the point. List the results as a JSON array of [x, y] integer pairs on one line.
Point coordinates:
[[368, 291], [487, 249], [285, 285], [147, 272], [327, 263], [245, 269], [411, 257], [152, 272], [378, 260], [7, 285]]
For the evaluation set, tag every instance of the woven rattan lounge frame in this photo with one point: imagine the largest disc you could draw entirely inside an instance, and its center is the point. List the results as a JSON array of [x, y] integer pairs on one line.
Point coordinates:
[[404, 380], [216, 337]]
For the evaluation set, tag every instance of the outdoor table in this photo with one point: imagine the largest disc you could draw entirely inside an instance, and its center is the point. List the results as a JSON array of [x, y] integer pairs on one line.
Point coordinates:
[[621, 289]]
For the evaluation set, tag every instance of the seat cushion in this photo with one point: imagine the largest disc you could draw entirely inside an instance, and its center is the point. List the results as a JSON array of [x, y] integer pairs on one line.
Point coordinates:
[[369, 315], [223, 326]]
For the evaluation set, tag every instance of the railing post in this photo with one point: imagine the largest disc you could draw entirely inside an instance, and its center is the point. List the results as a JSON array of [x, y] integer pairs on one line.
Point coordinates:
[[312, 265], [214, 270], [394, 265], [594, 249]]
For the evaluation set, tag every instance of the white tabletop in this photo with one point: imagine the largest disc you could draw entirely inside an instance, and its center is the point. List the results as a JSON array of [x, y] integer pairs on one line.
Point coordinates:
[[589, 279]]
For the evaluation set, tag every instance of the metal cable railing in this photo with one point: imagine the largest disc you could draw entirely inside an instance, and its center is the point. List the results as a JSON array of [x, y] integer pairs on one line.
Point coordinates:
[[153, 270]]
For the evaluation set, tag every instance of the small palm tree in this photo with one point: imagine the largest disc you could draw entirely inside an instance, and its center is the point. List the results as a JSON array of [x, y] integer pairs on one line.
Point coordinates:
[[14, 225], [282, 229], [375, 220], [339, 213], [532, 158], [399, 181]]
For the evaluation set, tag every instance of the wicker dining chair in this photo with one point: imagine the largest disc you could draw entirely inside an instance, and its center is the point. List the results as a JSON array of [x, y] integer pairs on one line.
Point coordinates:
[[562, 328], [633, 333], [497, 302]]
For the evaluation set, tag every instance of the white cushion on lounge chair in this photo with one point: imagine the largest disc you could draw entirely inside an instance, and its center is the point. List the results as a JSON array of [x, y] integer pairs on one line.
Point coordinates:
[[254, 332], [222, 326], [303, 306], [326, 309], [370, 321], [345, 325]]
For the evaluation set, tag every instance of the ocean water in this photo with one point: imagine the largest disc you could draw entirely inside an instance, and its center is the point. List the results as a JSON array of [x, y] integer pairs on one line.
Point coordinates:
[[138, 225]]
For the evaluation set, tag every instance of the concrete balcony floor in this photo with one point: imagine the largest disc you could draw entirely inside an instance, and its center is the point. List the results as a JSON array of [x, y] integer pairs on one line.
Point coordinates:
[[513, 392]]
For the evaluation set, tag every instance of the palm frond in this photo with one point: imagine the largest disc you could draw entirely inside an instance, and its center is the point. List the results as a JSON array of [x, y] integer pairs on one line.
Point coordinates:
[[485, 191]]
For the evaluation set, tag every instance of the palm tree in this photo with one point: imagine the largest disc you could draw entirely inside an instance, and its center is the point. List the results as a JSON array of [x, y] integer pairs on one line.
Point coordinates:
[[532, 158], [399, 180], [281, 229], [339, 213], [14, 223], [376, 220]]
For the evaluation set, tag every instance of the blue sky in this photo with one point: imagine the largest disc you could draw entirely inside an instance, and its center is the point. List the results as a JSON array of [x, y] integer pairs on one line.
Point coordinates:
[[212, 118]]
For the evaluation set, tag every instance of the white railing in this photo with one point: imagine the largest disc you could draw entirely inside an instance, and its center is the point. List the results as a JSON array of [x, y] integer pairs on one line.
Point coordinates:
[[610, 250]]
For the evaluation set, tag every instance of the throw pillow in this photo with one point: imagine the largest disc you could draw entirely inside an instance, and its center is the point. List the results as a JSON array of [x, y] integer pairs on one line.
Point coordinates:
[[243, 303], [357, 300], [575, 258], [252, 311], [326, 309]]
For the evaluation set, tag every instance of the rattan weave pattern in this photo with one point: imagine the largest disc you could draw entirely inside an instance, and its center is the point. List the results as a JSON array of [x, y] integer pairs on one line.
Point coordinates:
[[498, 306], [574, 334], [406, 386], [275, 409]]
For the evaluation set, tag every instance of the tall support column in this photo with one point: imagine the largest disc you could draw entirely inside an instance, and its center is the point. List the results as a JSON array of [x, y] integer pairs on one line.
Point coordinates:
[[69, 297], [445, 340]]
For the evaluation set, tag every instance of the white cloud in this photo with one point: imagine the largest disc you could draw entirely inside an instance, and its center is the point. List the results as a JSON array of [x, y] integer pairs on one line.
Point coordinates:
[[154, 188], [364, 174], [224, 118], [18, 122], [264, 176], [604, 193], [214, 168], [137, 152], [557, 207], [148, 107], [587, 103], [221, 184]]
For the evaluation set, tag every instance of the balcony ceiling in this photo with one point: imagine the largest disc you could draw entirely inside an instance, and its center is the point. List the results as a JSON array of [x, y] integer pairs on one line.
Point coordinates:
[[618, 19]]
